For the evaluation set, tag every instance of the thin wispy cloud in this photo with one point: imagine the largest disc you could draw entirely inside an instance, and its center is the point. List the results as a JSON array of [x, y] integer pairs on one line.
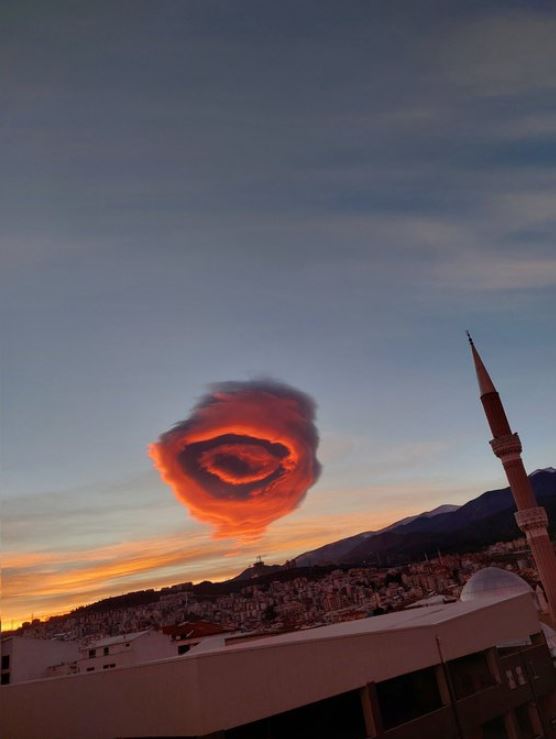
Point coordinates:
[[510, 52], [54, 579], [51, 582]]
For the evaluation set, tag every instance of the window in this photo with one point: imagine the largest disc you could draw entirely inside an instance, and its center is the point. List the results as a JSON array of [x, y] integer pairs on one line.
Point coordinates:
[[92, 652], [533, 670], [470, 674], [495, 729], [106, 651], [511, 680], [523, 717], [339, 717], [520, 676], [408, 696], [90, 669], [5, 679], [5, 661]]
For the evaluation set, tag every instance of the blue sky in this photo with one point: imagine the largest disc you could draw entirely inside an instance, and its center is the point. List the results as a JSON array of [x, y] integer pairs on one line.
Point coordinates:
[[324, 193]]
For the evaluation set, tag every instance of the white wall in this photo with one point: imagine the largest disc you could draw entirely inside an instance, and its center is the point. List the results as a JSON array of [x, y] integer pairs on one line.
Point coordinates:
[[154, 645], [150, 646], [30, 658]]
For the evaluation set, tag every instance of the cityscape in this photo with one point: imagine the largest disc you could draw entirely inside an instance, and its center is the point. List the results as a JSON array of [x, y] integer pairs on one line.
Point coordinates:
[[274, 606]]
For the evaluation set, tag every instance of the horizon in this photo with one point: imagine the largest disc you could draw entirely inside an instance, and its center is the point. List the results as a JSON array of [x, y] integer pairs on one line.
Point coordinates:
[[204, 193], [234, 575]]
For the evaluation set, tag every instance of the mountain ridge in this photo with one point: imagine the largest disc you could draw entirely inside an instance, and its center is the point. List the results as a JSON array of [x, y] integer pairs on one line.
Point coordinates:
[[314, 556], [486, 517]]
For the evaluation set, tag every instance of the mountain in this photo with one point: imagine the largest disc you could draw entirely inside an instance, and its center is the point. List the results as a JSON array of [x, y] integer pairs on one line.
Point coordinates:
[[338, 550], [259, 569], [481, 521]]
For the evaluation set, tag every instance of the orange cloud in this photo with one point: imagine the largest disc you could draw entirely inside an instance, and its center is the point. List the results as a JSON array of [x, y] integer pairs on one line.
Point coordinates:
[[245, 457]]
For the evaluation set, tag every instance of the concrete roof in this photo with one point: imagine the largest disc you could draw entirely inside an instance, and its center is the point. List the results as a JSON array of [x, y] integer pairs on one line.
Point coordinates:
[[204, 692], [110, 640], [388, 622]]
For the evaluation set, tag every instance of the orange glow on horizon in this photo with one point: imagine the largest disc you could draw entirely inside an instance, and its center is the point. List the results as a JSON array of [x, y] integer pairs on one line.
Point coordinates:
[[53, 583]]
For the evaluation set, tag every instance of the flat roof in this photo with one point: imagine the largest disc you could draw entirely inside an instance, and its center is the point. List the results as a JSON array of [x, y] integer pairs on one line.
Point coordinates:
[[416, 618], [215, 689], [111, 640]]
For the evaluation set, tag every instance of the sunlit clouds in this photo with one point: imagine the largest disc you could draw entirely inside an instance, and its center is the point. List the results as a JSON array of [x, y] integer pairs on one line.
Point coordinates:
[[45, 583], [245, 457], [50, 581]]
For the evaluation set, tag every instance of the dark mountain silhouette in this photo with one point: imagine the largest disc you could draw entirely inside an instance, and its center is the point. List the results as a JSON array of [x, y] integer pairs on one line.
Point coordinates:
[[337, 550], [481, 521], [259, 569]]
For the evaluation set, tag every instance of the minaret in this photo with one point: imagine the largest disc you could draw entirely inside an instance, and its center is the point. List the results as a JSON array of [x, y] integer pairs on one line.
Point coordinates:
[[530, 517]]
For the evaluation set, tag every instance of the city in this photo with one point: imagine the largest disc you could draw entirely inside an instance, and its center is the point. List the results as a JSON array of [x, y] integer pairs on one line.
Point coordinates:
[[329, 596]]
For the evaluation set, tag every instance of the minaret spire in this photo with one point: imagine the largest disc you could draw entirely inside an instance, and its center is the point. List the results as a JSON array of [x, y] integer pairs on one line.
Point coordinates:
[[494, 410], [483, 378], [530, 517]]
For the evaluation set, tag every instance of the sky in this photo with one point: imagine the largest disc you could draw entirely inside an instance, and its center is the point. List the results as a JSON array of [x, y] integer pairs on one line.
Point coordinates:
[[323, 193]]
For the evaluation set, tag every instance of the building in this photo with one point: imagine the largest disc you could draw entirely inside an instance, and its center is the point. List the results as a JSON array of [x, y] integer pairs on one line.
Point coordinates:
[[490, 582], [189, 634], [494, 582], [530, 517], [26, 658], [30, 659], [476, 669], [125, 650]]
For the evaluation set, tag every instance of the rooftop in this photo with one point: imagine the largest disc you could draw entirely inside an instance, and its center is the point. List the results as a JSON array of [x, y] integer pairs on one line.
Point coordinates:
[[204, 691], [111, 640]]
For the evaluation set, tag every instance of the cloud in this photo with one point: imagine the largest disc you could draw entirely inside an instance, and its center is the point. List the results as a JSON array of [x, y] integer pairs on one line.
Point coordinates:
[[245, 457], [508, 53], [484, 272], [86, 513], [53, 581], [529, 125]]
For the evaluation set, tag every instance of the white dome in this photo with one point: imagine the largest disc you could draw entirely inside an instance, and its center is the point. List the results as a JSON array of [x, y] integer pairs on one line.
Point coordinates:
[[494, 582]]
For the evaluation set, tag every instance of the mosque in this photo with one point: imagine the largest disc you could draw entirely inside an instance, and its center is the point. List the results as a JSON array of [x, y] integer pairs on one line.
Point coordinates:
[[496, 583]]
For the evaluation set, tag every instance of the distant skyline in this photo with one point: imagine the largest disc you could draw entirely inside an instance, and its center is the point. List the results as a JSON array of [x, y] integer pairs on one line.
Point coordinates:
[[324, 194]]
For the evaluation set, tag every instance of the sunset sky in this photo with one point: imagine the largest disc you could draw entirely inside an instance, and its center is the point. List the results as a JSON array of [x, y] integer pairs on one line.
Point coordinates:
[[324, 193]]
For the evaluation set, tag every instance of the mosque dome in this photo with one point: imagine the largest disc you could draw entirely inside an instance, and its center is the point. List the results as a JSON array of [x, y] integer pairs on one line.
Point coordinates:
[[493, 582]]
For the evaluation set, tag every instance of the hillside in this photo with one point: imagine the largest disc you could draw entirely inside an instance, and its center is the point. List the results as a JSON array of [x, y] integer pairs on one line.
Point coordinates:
[[482, 521]]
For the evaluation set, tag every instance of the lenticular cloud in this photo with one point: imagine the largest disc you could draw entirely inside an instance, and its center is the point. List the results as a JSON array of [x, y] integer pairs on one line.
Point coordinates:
[[245, 457]]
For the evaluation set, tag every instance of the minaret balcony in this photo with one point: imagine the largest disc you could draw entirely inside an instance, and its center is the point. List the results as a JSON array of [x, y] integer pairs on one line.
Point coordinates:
[[507, 447], [533, 521]]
